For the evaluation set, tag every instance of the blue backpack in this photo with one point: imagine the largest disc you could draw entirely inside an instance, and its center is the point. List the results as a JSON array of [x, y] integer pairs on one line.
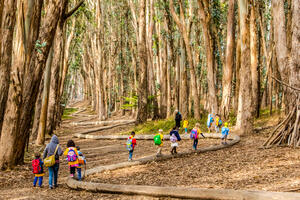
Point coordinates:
[[129, 146], [71, 155], [194, 134]]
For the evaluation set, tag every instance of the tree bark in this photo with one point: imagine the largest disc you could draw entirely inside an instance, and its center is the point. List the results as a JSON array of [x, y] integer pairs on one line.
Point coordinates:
[[245, 107], [205, 21], [8, 10], [184, 32], [254, 57], [45, 99], [227, 70], [142, 54], [17, 124]]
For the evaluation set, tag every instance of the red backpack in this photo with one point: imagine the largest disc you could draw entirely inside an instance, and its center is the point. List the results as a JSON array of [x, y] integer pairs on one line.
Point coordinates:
[[36, 166]]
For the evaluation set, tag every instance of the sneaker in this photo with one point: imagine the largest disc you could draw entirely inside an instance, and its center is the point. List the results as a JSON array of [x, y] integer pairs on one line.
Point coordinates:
[[33, 185], [50, 187], [129, 159], [71, 175], [56, 186]]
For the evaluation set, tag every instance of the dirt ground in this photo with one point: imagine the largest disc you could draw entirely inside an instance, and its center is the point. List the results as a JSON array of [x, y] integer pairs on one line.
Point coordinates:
[[243, 166]]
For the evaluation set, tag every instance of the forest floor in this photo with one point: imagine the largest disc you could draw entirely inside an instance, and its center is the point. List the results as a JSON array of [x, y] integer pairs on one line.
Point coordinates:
[[243, 166]]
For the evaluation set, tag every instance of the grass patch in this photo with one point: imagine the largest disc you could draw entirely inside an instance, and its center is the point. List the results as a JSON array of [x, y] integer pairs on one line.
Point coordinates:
[[152, 127], [68, 112]]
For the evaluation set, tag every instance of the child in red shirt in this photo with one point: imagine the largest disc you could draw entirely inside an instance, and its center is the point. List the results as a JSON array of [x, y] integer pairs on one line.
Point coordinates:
[[131, 143]]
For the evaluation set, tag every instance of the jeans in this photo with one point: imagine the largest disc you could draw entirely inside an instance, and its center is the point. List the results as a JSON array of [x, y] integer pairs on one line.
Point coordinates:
[[53, 173], [79, 173], [195, 144], [40, 181], [130, 154]]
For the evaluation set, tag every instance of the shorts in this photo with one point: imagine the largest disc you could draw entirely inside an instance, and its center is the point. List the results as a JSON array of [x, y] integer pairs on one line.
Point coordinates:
[[175, 144]]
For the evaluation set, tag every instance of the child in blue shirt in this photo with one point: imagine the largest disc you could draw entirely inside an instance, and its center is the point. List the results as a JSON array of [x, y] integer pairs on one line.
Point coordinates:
[[210, 120], [82, 161], [225, 132]]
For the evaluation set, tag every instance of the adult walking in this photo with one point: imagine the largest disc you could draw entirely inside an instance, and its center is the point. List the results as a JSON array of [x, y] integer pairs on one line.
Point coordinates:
[[50, 149], [178, 119]]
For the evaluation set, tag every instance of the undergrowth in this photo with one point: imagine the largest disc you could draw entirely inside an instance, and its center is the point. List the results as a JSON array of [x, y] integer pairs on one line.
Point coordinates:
[[68, 112], [152, 127]]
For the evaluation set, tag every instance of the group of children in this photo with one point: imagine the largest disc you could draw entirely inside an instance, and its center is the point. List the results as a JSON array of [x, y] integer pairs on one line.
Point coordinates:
[[175, 137], [75, 160]]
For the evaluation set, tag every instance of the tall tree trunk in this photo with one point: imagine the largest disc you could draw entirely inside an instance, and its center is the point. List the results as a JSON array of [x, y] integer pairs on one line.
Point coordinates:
[[142, 54], [8, 10], [184, 32], [294, 79], [184, 97], [245, 107], [205, 21], [281, 48], [227, 71], [44, 109], [253, 57], [17, 124], [37, 111], [164, 84]]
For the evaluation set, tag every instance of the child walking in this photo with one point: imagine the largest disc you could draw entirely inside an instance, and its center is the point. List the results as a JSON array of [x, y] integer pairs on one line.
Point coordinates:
[[81, 162], [185, 125], [218, 123], [72, 157], [174, 137], [158, 141], [37, 169], [130, 144], [195, 135], [225, 132], [210, 120]]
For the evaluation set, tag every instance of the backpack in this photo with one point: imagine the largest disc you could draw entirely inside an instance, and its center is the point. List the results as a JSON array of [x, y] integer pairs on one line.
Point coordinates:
[[157, 139], [129, 144], [220, 122], [194, 134], [71, 155], [36, 166], [81, 160], [173, 138]]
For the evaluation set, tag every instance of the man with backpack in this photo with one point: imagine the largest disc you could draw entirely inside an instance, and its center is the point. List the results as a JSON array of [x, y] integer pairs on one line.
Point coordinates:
[[130, 144], [178, 118], [37, 169], [53, 148], [158, 141]]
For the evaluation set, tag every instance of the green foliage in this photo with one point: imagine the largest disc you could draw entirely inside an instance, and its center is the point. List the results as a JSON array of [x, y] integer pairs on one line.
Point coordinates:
[[68, 112], [152, 127], [39, 46], [130, 102]]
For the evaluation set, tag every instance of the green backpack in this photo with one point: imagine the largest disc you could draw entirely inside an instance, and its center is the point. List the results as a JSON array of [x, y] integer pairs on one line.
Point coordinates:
[[157, 139]]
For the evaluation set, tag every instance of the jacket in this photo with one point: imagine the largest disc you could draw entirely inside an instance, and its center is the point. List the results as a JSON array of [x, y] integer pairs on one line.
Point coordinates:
[[50, 149], [175, 132], [74, 163]]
